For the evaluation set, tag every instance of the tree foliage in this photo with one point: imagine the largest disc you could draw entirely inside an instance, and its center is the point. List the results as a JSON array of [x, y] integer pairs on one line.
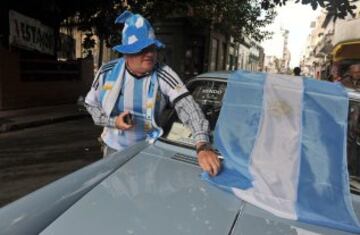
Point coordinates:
[[97, 18], [336, 8], [233, 17], [236, 17]]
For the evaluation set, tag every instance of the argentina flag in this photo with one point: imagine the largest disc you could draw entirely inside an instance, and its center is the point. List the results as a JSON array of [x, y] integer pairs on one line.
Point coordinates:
[[284, 147]]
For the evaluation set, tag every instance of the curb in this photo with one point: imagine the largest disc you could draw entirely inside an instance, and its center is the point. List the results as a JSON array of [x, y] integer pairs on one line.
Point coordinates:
[[13, 126]]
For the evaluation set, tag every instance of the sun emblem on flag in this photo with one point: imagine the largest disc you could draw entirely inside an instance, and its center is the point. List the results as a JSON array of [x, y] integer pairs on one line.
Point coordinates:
[[280, 108]]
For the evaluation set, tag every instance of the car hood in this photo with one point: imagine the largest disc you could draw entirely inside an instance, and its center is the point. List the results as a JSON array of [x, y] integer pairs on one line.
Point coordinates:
[[156, 192]]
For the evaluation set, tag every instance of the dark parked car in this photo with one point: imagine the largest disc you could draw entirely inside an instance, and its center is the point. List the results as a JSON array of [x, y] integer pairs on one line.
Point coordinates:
[[156, 189]]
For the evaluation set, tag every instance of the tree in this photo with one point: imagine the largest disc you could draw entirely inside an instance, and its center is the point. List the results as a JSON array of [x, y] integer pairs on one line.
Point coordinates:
[[97, 17], [233, 17], [336, 8]]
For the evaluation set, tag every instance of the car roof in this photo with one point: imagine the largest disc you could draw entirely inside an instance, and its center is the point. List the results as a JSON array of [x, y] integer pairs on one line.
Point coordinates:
[[216, 74], [225, 75]]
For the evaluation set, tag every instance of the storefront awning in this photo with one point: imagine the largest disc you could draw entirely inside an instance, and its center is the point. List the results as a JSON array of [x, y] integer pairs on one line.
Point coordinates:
[[346, 50]]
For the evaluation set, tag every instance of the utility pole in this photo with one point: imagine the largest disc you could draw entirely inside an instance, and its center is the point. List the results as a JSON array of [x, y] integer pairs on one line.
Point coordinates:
[[285, 55]]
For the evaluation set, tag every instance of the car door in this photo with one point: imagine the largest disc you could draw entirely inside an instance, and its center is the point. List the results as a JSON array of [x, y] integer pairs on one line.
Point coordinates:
[[353, 141]]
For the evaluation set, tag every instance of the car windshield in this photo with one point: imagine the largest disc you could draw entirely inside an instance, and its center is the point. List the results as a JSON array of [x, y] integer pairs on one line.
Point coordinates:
[[208, 93]]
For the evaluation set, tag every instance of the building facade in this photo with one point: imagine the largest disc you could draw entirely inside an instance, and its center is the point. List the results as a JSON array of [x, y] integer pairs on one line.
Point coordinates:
[[251, 55], [191, 50], [31, 73], [331, 46]]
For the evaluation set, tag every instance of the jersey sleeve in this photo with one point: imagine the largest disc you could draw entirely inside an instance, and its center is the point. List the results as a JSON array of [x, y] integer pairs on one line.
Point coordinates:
[[93, 104], [171, 84], [93, 96]]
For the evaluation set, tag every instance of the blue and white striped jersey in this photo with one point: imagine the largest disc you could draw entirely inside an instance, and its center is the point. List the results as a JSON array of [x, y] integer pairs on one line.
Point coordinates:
[[171, 89]]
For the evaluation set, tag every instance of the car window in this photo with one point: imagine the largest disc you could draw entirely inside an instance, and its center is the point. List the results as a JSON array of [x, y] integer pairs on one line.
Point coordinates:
[[208, 94]]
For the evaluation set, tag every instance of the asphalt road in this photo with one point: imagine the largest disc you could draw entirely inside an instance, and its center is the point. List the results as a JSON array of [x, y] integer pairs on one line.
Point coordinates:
[[34, 157]]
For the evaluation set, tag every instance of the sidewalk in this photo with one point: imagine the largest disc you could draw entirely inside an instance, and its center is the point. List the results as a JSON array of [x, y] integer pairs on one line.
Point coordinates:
[[30, 117]]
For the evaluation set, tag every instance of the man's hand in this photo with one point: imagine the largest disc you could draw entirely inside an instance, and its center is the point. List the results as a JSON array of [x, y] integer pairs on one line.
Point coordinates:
[[120, 121], [208, 160]]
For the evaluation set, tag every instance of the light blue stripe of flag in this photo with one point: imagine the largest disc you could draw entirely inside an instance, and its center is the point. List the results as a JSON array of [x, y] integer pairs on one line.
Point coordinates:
[[235, 139], [323, 187]]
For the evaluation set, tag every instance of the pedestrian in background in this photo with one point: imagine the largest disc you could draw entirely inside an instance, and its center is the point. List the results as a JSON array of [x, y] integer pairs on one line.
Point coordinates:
[[297, 71], [129, 98], [351, 78]]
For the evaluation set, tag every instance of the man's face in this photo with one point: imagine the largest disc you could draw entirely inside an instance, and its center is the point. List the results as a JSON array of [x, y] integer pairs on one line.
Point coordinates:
[[355, 71], [142, 62]]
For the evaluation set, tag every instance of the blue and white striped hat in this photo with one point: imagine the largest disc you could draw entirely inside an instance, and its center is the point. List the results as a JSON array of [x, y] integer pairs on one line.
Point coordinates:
[[137, 34]]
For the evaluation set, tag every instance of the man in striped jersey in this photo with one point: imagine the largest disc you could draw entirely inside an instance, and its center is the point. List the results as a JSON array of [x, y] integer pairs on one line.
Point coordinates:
[[136, 84]]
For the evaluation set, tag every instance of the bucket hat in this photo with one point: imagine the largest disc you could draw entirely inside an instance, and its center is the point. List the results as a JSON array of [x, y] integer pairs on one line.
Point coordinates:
[[137, 34]]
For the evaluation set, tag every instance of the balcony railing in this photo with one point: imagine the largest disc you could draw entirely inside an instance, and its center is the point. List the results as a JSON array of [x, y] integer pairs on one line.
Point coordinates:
[[346, 30]]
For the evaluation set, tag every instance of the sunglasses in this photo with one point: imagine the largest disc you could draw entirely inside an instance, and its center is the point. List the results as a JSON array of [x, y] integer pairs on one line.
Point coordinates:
[[151, 48]]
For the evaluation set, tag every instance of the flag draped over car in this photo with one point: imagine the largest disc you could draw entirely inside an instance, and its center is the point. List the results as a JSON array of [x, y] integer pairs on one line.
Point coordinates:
[[284, 147]]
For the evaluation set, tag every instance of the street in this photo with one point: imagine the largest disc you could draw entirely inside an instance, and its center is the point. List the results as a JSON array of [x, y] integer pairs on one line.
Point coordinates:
[[34, 157]]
